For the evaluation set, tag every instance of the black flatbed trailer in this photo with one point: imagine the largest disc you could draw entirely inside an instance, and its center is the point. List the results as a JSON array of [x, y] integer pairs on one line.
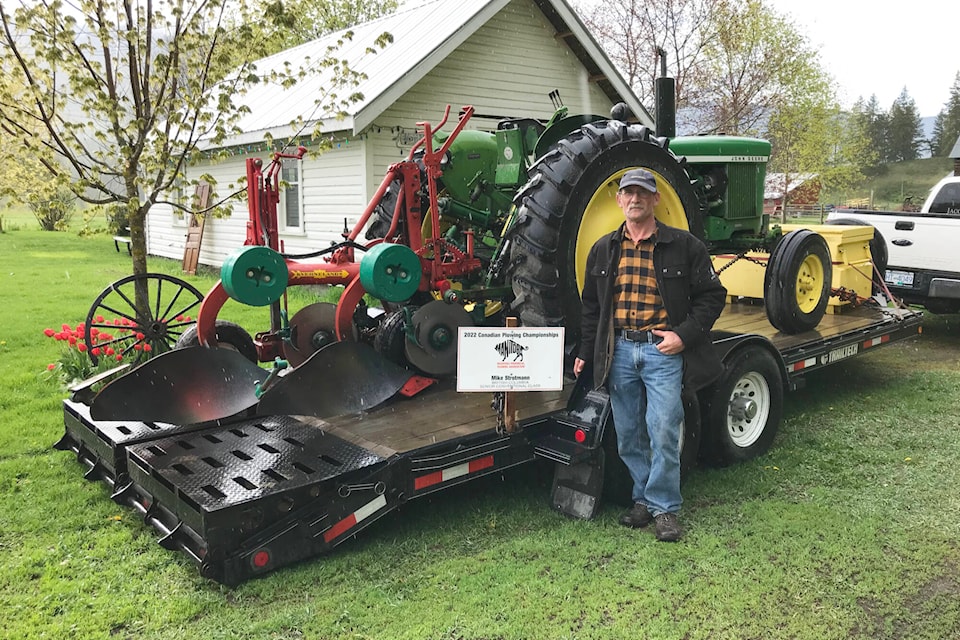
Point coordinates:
[[249, 494]]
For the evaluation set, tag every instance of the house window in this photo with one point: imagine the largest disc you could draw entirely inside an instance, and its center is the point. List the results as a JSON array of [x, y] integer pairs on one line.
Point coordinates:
[[291, 195]]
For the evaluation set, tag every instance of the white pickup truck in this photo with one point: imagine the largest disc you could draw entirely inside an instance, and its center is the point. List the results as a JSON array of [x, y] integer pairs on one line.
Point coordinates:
[[922, 248]]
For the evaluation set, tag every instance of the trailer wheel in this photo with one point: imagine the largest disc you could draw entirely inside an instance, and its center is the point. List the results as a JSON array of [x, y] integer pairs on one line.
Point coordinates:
[[878, 251], [617, 484], [570, 201], [796, 284], [229, 336], [743, 408]]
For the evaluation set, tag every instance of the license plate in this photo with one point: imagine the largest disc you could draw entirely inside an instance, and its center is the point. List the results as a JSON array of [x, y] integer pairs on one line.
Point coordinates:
[[900, 278]]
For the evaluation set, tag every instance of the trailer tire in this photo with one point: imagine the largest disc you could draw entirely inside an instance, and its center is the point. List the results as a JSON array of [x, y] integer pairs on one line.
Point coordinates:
[[570, 201], [878, 251], [617, 484], [229, 336], [743, 408], [796, 283]]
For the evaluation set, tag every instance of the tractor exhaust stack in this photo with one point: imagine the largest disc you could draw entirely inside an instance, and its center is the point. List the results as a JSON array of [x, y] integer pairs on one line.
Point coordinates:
[[665, 99]]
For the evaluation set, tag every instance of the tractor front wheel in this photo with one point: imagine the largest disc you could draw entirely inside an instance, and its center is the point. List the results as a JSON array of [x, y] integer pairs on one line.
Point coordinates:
[[796, 284]]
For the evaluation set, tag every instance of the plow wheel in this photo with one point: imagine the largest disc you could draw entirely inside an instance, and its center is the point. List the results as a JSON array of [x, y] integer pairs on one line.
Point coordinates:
[[311, 329], [796, 284], [435, 326], [570, 202], [229, 336], [171, 309], [391, 338]]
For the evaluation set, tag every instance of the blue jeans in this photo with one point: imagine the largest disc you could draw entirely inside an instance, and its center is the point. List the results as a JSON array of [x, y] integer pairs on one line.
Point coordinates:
[[645, 387]]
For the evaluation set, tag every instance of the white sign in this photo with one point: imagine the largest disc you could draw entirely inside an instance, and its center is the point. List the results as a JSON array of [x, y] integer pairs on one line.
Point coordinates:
[[510, 359]]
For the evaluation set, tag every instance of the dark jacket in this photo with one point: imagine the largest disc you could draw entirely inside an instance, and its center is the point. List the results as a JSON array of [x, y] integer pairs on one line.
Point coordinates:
[[689, 288]]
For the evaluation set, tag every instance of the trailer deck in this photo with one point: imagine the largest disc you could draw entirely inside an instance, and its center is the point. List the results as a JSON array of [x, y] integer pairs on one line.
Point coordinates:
[[248, 494]]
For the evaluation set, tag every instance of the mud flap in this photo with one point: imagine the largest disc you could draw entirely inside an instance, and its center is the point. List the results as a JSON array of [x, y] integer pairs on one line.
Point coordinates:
[[183, 386], [341, 378], [577, 487]]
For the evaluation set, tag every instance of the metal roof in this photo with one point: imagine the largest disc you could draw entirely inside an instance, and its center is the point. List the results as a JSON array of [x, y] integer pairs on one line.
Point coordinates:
[[423, 36]]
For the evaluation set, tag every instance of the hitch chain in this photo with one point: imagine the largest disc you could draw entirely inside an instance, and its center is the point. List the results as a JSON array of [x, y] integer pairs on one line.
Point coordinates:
[[741, 256], [498, 405]]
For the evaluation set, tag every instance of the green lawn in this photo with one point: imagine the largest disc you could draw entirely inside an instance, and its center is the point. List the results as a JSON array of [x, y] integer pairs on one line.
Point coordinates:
[[848, 528]]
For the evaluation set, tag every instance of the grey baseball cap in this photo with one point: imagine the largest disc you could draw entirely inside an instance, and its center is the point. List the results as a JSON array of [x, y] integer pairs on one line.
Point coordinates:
[[639, 178]]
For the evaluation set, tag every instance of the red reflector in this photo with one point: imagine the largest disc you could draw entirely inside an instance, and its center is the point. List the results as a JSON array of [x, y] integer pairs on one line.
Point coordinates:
[[579, 435], [261, 559]]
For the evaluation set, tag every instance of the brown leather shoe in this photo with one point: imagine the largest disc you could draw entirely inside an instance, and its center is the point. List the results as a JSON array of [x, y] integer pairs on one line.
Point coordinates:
[[637, 517], [668, 529]]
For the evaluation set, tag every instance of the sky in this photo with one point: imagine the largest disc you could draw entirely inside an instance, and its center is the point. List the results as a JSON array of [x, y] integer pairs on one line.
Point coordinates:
[[878, 48]]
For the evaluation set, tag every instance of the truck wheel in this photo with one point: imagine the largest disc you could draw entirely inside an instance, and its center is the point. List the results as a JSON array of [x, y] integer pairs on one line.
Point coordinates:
[[570, 202], [878, 251], [743, 408], [617, 484], [229, 336], [796, 284]]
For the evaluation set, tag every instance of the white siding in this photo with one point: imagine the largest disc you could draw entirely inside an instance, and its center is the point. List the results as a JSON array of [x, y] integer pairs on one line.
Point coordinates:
[[166, 233], [507, 68]]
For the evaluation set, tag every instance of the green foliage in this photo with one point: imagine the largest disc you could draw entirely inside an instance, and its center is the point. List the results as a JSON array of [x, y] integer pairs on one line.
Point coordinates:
[[52, 209], [890, 188], [903, 130], [946, 129]]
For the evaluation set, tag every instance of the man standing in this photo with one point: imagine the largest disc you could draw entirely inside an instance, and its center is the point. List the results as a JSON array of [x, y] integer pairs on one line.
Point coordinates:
[[650, 298]]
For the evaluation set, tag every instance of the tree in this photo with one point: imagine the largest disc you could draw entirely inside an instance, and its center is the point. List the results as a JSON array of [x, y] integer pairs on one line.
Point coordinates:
[[297, 21], [113, 97], [757, 63], [946, 128], [631, 32], [870, 124], [904, 129]]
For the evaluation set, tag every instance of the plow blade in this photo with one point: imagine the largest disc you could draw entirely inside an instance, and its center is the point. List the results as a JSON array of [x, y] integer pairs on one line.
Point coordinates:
[[183, 386], [341, 378]]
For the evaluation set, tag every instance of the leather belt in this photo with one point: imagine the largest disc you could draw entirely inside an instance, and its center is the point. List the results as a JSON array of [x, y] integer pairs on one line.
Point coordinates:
[[638, 336]]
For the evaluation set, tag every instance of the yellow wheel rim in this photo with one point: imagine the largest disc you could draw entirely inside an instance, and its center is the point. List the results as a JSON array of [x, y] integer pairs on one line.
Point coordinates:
[[602, 215], [809, 283]]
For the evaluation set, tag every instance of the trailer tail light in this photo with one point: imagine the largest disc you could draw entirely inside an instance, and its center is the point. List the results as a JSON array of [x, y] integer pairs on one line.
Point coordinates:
[[580, 436], [260, 559]]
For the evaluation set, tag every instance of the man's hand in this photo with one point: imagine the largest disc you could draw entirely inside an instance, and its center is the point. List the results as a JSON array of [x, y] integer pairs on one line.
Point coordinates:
[[671, 344], [578, 366]]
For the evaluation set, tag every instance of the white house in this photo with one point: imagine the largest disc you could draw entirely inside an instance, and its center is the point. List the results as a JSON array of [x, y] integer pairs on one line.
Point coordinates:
[[504, 57]]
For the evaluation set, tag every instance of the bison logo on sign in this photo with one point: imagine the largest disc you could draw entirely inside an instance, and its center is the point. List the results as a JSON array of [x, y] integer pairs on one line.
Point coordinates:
[[510, 348]]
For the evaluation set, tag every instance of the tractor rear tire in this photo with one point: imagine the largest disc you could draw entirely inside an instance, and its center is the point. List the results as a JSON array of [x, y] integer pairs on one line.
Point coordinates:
[[796, 284], [569, 202]]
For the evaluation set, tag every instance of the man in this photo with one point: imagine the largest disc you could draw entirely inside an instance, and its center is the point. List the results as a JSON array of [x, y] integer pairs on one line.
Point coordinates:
[[650, 298]]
